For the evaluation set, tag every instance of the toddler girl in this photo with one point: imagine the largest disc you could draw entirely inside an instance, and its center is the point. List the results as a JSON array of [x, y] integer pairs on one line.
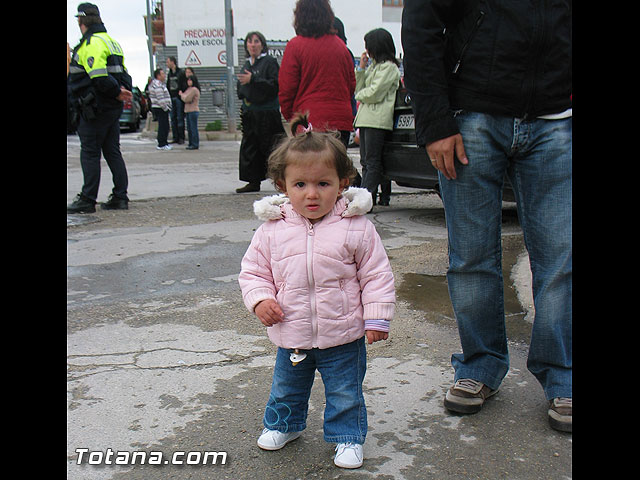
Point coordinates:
[[317, 276]]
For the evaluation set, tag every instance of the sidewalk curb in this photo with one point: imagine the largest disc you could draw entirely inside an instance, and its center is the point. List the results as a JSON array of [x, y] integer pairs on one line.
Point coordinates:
[[151, 127]]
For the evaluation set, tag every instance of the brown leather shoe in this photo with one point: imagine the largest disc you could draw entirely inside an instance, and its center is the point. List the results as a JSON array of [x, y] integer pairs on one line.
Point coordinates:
[[467, 396], [560, 414]]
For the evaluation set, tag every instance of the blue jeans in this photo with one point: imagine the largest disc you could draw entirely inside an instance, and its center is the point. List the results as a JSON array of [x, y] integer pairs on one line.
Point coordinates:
[[177, 119], [342, 369], [537, 156], [192, 129]]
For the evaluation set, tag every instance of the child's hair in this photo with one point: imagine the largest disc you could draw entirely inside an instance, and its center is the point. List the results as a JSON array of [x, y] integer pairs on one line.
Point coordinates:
[[379, 44], [309, 141]]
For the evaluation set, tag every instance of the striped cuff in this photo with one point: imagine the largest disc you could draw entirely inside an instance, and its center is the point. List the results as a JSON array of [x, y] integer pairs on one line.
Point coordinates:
[[257, 295], [379, 325]]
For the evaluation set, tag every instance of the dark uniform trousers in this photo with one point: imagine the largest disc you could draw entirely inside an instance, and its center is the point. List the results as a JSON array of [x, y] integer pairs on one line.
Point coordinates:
[[102, 135]]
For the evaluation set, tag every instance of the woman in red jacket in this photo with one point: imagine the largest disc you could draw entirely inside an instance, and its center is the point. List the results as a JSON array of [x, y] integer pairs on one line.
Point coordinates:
[[316, 72]]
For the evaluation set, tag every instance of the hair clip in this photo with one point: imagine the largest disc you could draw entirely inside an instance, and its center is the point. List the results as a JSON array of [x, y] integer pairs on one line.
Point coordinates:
[[307, 129]]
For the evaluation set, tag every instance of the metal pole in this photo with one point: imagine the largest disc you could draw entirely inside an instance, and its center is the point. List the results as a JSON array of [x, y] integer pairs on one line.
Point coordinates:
[[149, 39], [228, 27]]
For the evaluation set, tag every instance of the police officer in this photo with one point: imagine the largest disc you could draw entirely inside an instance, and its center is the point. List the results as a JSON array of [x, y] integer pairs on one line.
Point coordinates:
[[98, 83]]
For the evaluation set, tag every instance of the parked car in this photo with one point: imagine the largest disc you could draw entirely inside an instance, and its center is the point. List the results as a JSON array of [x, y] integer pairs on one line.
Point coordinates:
[[403, 161], [144, 103], [131, 112]]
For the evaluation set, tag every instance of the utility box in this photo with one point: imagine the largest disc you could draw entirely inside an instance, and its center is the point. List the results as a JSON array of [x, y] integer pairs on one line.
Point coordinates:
[[218, 97]]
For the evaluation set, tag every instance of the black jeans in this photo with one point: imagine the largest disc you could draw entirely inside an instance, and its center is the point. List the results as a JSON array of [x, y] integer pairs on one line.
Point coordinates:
[[163, 125], [102, 135], [371, 142]]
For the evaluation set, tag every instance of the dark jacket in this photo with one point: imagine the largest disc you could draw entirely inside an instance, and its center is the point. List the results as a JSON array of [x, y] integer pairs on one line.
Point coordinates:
[[503, 57], [176, 81], [262, 91]]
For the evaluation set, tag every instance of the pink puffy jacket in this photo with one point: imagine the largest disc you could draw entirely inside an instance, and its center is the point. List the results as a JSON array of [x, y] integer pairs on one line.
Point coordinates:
[[327, 277]]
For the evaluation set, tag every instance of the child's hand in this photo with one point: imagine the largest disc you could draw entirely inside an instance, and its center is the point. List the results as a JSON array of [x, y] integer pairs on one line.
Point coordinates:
[[375, 336], [269, 312]]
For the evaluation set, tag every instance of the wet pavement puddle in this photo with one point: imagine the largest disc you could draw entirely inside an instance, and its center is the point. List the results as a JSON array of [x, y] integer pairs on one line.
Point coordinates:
[[429, 293]]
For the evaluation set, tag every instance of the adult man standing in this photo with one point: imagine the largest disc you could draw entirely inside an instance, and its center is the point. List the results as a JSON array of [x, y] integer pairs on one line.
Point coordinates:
[[176, 82], [490, 83], [98, 83]]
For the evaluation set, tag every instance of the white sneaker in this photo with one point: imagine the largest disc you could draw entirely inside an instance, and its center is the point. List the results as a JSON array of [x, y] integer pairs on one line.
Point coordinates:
[[348, 455], [166, 147], [275, 440]]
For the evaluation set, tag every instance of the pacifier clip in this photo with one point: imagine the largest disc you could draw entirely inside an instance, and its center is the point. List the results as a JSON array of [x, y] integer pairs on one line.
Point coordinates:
[[296, 357]]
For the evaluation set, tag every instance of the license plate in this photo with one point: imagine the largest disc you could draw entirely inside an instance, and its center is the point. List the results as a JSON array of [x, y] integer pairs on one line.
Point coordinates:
[[405, 121]]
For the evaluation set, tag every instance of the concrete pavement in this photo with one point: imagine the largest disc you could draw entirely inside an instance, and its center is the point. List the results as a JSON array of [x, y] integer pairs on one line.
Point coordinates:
[[163, 357]]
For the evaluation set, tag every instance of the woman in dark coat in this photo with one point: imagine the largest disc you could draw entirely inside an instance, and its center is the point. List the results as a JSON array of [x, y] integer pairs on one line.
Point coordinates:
[[260, 113]]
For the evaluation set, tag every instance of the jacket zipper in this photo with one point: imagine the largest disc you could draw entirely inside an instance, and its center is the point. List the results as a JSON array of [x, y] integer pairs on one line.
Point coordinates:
[[466, 45], [345, 299], [540, 40], [312, 285]]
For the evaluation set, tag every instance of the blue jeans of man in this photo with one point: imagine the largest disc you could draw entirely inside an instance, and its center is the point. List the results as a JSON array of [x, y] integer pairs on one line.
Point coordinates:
[[192, 129], [342, 369], [177, 119], [102, 136], [536, 155]]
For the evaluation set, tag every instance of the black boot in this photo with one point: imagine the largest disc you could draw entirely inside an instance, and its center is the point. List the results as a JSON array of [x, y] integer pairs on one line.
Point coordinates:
[[115, 203], [81, 204], [249, 187]]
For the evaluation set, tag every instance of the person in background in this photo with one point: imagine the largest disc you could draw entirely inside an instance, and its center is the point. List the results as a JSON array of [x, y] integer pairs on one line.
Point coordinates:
[[490, 85], [176, 81], [160, 106], [376, 86], [260, 113], [191, 99], [188, 72], [338, 26], [146, 94], [316, 72], [98, 83]]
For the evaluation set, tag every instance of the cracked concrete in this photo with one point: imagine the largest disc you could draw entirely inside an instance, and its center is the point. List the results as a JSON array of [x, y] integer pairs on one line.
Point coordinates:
[[163, 356]]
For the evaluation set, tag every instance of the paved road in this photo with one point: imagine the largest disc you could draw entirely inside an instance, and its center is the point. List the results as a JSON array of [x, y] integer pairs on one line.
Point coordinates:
[[163, 357]]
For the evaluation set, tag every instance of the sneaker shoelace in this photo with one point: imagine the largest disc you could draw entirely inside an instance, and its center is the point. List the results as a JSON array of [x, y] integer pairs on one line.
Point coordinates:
[[564, 402], [468, 383], [346, 445]]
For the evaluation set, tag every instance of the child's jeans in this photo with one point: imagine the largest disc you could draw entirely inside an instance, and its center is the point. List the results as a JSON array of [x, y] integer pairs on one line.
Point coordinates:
[[342, 369]]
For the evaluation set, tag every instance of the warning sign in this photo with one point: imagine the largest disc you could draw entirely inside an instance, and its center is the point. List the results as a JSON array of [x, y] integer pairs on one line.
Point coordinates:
[[192, 60], [204, 47]]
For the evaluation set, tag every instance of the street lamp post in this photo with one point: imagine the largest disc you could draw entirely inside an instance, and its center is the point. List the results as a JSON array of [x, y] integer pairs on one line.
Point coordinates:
[[228, 26]]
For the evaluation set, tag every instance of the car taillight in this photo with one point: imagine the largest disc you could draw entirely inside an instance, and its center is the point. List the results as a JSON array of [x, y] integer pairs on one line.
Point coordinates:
[[127, 105]]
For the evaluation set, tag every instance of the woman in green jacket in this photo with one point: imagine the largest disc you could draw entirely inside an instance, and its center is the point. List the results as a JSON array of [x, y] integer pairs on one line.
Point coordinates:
[[376, 86]]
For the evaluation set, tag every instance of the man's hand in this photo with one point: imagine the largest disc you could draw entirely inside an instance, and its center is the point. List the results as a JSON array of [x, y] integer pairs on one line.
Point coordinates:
[[441, 153], [375, 336], [269, 312], [124, 95]]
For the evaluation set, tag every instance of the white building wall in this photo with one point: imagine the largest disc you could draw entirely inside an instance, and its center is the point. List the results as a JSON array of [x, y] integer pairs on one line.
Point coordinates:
[[274, 18]]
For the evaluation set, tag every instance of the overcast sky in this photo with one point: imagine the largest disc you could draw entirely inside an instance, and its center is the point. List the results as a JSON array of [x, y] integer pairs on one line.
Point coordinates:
[[124, 20]]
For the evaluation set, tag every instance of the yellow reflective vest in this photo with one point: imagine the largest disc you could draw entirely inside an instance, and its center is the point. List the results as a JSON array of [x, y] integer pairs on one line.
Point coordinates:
[[97, 66]]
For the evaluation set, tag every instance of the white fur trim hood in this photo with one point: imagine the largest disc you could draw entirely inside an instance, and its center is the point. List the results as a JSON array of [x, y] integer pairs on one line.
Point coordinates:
[[358, 202]]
